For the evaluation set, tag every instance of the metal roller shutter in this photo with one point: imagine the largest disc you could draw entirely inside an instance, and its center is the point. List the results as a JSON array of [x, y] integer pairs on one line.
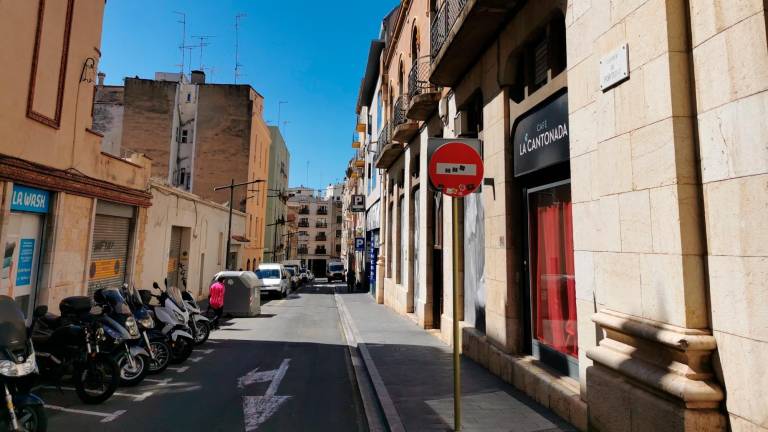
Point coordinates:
[[109, 252]]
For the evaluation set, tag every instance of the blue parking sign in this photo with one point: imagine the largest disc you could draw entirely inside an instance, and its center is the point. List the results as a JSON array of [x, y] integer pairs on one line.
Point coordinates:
[[359, 244]]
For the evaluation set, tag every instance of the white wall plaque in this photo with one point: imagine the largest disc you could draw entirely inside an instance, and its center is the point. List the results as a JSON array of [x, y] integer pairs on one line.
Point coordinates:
[[614, 68]]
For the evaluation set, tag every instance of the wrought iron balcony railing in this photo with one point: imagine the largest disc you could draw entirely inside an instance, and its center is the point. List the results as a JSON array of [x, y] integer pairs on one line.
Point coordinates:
[[321, 225], [304, 210], [304, 224], [418, 78], [303, 251], [320, 251], [444, 20], [401, 106], [322, 211], [321, 238]]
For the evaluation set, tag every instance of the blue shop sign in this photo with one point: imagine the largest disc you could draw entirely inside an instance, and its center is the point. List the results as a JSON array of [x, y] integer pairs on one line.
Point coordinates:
[[27, 199], [359, 244]]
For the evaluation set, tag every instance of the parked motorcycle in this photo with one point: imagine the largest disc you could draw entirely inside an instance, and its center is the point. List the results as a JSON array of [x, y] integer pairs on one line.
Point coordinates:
[[154, 341], [24, 411], [200, 324], [172, 317], [124, 341], [70, 344]]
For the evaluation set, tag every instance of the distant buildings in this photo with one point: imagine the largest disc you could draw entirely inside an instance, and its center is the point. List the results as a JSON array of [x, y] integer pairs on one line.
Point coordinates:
[[318, 225], [199, 136]]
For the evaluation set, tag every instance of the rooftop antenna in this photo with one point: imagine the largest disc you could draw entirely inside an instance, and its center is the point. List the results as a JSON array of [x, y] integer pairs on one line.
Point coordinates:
[[238, 17], [183, 44], [285, 124], [203, 43]]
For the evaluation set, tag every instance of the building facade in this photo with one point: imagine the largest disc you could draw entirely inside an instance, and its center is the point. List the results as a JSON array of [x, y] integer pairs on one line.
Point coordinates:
[[199, 136], [318, 224], [71, 217], [610, 259], [190, 234], [277, 188]]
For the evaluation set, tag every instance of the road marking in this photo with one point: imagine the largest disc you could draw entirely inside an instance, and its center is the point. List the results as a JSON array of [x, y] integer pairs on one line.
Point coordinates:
[[136, 397], [207, 351], [105, 417], [255, 376], [161, 382], [179, 369], [195, 359], [258, 409]]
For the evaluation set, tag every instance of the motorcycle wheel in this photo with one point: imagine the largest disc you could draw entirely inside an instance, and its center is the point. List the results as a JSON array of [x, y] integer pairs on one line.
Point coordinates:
[[162, 357], [97, 379], [181, 349], [132, 376], [32, 418], [203, 332]]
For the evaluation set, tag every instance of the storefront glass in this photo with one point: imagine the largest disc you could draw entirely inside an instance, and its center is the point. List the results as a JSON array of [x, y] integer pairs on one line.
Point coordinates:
[[553, 287]]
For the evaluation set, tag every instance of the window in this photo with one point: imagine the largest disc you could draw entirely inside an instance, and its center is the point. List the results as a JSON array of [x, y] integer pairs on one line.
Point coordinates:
[[338, 219], [338, 248], [552, 281], [189, 97], [379, 111], [338, 233], [542, 58], [184, 136]]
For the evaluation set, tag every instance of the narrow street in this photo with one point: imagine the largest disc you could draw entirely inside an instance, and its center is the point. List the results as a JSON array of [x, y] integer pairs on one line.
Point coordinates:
[[287, 369]]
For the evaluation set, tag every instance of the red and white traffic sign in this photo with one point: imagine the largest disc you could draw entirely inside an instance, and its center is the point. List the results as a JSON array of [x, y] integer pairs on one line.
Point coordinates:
[[456, 169]]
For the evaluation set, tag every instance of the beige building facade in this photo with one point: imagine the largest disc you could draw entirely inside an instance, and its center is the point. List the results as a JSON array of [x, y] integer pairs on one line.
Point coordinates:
[[318, 225], [611, 260], [70, 215], [192, 232]]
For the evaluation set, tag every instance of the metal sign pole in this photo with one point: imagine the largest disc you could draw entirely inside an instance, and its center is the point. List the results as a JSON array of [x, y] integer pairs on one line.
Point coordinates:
[[457, 253]]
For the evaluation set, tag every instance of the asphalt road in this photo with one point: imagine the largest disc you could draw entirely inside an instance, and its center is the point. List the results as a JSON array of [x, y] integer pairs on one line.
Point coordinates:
[[287, 370]]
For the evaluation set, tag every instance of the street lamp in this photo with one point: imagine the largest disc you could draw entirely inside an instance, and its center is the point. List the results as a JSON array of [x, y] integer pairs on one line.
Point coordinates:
[[231, 188]]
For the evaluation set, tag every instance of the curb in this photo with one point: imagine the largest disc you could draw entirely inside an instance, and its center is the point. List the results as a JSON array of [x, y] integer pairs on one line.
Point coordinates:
[[394, 423]]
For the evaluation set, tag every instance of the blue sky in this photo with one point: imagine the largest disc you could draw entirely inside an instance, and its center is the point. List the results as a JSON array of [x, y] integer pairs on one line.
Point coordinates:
[[310, 54]]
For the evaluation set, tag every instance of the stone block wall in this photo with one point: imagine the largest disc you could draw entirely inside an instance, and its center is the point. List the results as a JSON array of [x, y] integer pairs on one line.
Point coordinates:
[[730, 65]]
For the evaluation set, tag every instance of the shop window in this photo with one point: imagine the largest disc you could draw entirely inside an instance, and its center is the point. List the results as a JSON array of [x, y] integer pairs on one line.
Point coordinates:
[[552, 281]]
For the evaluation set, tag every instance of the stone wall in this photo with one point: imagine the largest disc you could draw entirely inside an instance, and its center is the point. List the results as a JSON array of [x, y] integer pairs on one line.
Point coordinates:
[[730, 66]]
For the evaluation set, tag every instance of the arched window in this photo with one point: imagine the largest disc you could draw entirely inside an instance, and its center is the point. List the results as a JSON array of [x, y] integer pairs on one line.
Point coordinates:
[[400, 77], [248, 265]]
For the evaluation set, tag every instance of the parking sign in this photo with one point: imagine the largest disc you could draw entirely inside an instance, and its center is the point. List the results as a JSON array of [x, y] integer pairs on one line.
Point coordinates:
[[358, 203], [359, 244]]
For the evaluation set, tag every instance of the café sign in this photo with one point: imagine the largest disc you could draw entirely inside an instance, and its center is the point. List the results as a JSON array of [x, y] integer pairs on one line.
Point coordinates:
[[541, 137]]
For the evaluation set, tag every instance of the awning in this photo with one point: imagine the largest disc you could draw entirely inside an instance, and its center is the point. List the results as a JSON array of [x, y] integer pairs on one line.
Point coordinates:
[[240, 239], [372, 217]]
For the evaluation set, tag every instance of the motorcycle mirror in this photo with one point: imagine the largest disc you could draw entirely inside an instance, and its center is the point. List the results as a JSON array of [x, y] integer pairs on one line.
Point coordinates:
[[155, 285], [40, 311]]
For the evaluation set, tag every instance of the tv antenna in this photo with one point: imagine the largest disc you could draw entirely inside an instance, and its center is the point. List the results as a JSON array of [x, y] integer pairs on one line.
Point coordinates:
[[279, 108], [203, 43], [238, 17], [183, 44]]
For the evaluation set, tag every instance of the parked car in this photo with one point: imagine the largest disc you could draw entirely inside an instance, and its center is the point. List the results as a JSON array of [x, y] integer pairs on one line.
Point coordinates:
[[336, 271], [274, 279]]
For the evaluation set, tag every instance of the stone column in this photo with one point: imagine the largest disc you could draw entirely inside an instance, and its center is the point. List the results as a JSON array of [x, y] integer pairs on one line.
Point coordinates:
[[638, 225]]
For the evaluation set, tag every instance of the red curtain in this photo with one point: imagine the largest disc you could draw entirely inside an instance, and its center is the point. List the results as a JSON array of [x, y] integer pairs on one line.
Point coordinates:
[[555, 290]]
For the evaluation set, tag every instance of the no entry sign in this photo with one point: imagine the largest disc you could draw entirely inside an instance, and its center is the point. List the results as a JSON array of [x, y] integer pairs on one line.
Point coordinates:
[[456, 169]]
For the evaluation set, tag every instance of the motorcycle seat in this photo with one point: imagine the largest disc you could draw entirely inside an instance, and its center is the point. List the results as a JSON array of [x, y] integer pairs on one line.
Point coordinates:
[[51, 321]]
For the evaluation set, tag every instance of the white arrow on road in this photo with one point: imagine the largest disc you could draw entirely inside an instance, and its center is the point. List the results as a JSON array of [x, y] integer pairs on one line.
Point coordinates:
[[258, 409]]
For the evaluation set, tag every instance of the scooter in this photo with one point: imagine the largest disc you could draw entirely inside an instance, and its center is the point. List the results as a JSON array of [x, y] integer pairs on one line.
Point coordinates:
[[24, 411], [154, 341], [172, 317], [200, 324], [124, 341], [71, 344]]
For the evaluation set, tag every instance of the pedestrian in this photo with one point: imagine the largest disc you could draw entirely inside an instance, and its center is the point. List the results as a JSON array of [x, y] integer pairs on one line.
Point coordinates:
[[216, 299], [350, 280]]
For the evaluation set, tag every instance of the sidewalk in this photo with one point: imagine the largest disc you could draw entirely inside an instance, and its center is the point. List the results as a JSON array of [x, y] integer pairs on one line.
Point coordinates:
[[412, 373]]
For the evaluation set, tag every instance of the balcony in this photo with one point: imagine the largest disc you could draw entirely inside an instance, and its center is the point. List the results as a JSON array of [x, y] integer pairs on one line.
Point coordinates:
[[321, 251], [321, 238], [461, 27], [303, 251], [423, 96], [321, 225], [322, 210], [388, 150], [304, 211], [303, 224], [405, 129]]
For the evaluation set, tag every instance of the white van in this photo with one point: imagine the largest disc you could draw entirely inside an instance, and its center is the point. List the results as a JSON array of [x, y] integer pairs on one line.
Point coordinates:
[[274, 279], [335, 271]]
